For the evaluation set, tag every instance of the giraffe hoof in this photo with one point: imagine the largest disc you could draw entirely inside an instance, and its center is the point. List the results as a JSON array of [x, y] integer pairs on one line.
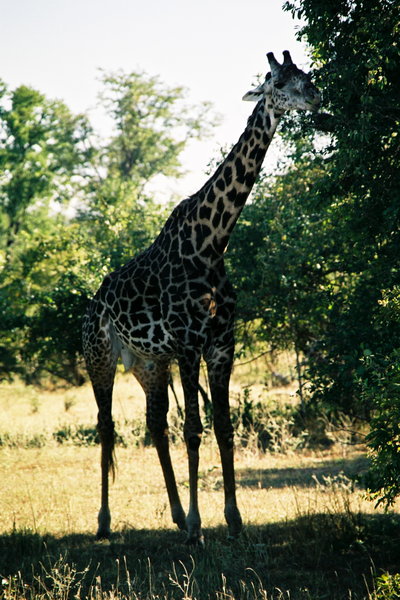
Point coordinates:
[[196, 539], [102, 541], [234, 531], [179, 518], [234, 521], [104, 524], [103, 535], [181, 525]]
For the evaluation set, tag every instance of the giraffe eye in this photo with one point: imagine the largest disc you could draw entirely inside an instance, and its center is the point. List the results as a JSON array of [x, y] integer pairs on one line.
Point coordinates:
[[279, 85]]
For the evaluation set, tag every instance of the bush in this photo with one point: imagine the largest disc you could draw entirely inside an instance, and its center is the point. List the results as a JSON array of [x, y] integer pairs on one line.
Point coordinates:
[[268, 426], [387, 587], [382, 389]]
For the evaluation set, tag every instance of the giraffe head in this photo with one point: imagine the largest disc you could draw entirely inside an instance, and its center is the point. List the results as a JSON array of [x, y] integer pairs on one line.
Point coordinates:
[[286, 87]]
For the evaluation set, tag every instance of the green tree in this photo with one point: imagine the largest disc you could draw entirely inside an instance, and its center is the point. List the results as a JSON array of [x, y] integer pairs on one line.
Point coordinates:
[[55, 262], [277, 255], [42, 145], [354, 44], [380, 387], [152, 125], [355, 364], [42, 150], [325, 232]]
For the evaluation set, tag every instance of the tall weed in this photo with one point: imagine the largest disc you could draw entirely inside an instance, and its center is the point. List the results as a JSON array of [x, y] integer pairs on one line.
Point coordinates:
[[266, 425]]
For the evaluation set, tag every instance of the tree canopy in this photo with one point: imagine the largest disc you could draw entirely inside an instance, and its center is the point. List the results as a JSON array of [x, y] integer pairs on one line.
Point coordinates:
[[326, 278], [52, 262]]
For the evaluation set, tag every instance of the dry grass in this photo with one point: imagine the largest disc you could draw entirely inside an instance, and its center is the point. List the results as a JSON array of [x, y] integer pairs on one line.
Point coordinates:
[[56, 489], [310, 532]]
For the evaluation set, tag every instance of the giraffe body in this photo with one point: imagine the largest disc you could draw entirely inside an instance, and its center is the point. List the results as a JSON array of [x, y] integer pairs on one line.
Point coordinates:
[[174, 301]]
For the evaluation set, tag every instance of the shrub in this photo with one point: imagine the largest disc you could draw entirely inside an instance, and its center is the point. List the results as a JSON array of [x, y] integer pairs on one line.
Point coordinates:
[[382, 389]]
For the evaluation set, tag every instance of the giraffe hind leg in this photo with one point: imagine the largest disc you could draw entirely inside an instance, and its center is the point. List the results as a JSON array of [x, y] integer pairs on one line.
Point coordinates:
[[101, 354], [105, 428]]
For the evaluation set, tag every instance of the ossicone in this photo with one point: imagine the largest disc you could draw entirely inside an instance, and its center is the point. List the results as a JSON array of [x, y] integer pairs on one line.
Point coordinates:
[[287, 60], [273, 63]]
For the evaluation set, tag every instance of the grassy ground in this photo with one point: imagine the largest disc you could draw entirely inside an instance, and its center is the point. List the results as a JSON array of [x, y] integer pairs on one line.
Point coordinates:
[[310, 532]]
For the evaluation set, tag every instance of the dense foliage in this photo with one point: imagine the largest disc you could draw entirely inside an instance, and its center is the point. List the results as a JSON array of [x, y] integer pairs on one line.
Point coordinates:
[[42, 150], [326, 277], [51, 261], [355, 46]]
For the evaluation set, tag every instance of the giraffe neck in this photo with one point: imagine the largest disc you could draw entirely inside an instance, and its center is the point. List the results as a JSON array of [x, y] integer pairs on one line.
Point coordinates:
[[220, 201]]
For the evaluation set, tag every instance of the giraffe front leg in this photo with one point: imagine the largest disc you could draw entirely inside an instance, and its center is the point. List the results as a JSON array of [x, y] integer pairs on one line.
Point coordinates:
[[219, 369], [193, 520], [189, 370]]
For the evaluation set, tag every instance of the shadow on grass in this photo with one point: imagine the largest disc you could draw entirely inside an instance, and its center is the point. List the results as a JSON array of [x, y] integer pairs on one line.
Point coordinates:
[[353, 468], [314, 556]]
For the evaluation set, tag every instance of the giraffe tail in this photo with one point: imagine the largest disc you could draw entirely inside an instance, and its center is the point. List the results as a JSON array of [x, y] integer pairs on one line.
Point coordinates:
[[112, 464], [107, 439]]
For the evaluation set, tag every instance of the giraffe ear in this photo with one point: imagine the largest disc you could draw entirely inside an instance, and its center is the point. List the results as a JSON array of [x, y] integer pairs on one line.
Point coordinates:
[[254, 95]]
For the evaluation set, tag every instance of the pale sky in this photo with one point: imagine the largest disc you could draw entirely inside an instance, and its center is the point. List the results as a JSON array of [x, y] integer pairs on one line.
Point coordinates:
[[214, 48]]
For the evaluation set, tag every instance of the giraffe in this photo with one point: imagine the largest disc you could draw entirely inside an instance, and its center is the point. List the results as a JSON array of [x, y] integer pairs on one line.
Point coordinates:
[[174, 302]]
